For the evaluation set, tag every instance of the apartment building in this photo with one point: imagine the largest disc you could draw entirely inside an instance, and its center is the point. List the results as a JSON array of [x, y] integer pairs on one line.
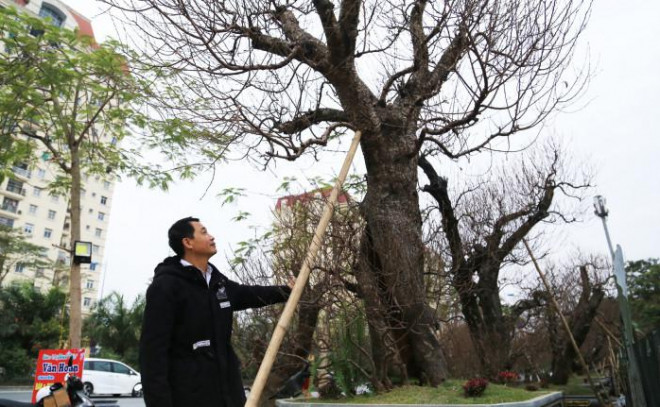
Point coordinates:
[[26, 204], [296, 218], [61, 14]]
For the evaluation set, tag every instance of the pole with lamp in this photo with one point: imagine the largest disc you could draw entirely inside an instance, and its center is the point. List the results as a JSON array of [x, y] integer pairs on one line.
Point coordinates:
[[634, 379]]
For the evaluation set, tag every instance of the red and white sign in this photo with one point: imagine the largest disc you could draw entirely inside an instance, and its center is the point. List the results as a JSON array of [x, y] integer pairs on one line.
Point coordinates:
[[53, 366]]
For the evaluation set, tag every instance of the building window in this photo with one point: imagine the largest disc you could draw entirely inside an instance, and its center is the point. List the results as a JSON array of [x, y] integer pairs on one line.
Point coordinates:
[[48, 233], [96, 249], [28, 229], [91, 210], [33, 209], [54, 198], [51, 214], [92, 266], [10, 205], [98, 232], [104, 200], [20, 267], [48, 11], [101, 216], [6, 222], [41, 272], [15, 187], [106, 184], [87, 302], [36, 191], [41, 173], [90, 284], [22, 169]]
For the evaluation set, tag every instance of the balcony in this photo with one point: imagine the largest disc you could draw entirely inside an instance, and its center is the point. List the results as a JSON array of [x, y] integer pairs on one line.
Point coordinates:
[[15, 190], [8, 209], [22, 172]]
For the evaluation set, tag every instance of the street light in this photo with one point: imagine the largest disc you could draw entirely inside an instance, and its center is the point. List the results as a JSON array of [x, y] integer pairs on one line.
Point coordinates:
[[82, 252], [599, 205], [634, 379], [602, 212]]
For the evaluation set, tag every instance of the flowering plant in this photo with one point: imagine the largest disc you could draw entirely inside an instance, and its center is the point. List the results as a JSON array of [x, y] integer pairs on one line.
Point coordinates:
[[507, 377], [475, 387]]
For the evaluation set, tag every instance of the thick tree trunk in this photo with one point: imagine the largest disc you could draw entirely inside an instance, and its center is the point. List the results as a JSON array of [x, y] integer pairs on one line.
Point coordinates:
[[75, 300], [394, 258], [383, 345], [391, 210], [490, 336], [490, 330], [497, 327]]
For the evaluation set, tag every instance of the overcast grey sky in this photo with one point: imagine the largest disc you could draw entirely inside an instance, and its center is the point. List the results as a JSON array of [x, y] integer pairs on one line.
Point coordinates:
[[613, 129]]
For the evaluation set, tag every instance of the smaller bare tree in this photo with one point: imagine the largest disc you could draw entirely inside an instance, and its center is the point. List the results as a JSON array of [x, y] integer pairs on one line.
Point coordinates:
[[581, 288], [330, 291], [481, 227]]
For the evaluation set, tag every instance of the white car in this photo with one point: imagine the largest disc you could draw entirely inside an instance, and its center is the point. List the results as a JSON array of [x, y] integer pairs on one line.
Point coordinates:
[[104, 376]]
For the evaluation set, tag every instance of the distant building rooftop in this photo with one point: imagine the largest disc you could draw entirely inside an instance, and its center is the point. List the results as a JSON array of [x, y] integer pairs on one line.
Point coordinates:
[[305, 197]]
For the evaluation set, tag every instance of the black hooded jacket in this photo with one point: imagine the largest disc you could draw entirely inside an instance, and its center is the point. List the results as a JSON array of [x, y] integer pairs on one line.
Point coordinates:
[[186, 357]]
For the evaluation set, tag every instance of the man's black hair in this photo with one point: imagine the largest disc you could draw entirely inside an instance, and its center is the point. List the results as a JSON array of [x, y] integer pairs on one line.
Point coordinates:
[[181, 229]]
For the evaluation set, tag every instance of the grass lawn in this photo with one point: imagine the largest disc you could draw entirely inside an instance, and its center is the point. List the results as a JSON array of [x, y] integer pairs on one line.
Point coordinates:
[[450, 392], [576, 386]]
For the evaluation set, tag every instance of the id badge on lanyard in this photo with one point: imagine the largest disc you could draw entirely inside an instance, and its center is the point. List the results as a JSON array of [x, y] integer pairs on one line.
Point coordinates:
[[221, 295]]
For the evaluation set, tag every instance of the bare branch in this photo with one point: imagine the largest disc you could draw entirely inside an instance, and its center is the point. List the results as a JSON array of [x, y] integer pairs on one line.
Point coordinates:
[[310, 118], [437, 188]]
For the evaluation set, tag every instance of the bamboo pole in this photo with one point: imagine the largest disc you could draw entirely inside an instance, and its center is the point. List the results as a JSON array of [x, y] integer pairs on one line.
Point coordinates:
[[566, 326], [608, 333], [301, 280]]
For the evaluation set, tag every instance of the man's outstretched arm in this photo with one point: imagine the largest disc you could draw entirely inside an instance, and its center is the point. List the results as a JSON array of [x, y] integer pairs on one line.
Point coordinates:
[[255, 296]]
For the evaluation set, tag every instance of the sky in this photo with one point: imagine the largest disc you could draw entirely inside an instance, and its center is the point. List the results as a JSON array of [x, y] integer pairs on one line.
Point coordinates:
[[613, 129]]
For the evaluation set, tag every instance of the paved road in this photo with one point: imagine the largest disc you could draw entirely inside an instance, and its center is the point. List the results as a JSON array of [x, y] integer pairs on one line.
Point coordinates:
[[25, 396]]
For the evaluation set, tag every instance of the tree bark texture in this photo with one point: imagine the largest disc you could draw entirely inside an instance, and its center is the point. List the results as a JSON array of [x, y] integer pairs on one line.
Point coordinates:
[[394, 256], [75, 293]]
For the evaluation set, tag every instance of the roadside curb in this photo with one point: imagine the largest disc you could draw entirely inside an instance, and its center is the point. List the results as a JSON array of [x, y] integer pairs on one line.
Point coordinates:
[[549, 400], [15, 388]]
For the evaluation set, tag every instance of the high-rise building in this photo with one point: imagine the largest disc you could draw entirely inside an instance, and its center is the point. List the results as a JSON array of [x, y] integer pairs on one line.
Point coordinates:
[[26, 204], [61, 14]]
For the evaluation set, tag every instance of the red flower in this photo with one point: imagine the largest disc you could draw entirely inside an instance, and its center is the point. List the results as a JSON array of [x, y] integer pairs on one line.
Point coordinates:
[[507, 377], [475, 387]]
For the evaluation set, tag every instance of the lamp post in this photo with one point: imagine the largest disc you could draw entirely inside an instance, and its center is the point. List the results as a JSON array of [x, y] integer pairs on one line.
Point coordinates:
[[634, 379]]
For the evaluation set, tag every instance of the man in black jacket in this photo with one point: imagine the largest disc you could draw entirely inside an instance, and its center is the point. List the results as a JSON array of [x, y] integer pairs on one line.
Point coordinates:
[[186, 357]]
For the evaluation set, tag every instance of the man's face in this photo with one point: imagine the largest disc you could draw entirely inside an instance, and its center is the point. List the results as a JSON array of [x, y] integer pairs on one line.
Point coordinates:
[[202, 243]]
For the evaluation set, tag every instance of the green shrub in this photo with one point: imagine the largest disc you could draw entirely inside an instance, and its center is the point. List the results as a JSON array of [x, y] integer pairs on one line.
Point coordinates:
[[350, 335], [16, 362]]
